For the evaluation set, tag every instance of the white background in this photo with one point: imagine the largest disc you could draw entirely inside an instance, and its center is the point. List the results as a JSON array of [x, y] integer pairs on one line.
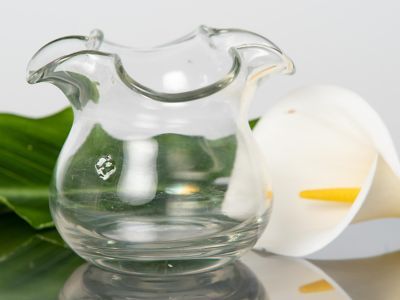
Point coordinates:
[[352, 43]]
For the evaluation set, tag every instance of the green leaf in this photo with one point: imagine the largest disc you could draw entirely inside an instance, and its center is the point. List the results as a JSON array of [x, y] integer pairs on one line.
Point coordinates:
[[253, 123], [30, 267], [28, 153], [15, 232], [4, 209], [51, 236]]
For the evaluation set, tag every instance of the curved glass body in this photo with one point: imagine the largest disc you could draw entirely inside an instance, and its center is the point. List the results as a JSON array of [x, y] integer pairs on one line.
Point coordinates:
[[160, 172]]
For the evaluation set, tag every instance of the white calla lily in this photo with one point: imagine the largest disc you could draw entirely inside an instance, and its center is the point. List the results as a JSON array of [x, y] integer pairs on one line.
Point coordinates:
[[331, 161]]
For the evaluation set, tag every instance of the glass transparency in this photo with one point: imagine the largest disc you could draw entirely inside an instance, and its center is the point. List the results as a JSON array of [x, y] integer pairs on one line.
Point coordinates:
[[160, 173]]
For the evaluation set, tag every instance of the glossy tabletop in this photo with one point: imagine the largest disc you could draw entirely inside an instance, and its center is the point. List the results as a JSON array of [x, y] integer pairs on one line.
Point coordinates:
[[41, 269]]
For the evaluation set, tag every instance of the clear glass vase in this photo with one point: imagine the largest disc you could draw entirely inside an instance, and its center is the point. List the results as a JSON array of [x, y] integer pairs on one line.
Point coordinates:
[[160, 173]]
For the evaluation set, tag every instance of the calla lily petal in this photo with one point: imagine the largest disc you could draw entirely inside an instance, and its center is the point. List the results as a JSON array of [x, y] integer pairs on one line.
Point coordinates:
[[331, 161]]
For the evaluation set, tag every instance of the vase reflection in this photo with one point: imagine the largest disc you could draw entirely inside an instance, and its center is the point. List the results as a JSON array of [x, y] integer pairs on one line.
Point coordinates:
[[234, 281], [257, 276]]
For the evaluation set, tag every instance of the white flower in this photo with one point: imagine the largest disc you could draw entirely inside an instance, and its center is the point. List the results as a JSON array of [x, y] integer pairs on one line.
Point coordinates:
[[331, 161]]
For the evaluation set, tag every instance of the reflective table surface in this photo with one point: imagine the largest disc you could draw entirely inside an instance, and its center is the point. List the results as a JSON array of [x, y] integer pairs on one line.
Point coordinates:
[[257, 276], [37, 266]]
